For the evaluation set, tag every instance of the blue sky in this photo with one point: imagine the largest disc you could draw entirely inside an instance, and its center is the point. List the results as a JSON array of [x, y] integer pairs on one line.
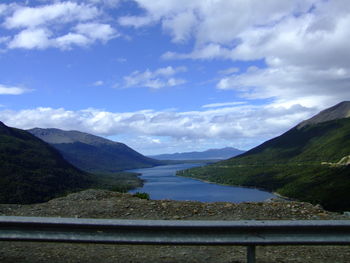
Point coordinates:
[[172, 75]]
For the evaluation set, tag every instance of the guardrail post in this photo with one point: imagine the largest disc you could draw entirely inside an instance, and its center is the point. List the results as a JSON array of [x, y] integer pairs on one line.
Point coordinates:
[[250, 254]]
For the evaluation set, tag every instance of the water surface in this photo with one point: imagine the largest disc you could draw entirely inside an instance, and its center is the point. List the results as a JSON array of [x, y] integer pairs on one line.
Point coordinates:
[[162, 183]]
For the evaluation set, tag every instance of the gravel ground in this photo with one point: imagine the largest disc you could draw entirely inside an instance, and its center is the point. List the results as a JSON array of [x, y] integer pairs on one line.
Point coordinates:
[[105, 204]]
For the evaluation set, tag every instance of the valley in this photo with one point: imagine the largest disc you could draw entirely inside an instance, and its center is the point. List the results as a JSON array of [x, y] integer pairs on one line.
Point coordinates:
[[161, 183], [295, 163], [308, 162]]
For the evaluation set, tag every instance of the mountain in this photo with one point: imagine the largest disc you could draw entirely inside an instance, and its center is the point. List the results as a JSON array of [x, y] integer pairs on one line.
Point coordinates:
[[339, 111], [211, 154], [309, 162], [33, 171], [92, 153]]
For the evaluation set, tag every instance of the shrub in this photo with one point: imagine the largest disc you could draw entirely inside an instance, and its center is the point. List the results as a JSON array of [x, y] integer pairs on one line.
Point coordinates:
[[142, 195]]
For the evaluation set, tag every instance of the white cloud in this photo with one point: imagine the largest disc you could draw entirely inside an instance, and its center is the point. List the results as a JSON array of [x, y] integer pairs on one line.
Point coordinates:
[[291, 84], [157, 79], [216, 21], [70, 39], [62, 25], [30, 17], [12, 90], [242, 126], [31, 39], [178, 26], [84, 35], [304, 44], [96, 31]]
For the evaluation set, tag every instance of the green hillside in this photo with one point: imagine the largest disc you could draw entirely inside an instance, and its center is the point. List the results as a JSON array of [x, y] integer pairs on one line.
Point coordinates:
[[92, 153], [303, 163], [33, 171]]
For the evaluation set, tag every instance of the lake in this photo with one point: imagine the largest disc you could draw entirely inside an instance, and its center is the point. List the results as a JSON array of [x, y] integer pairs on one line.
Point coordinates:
[[160, 182]]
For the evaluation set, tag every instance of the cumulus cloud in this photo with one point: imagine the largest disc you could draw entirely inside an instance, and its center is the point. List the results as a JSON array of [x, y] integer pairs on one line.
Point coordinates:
[[217, 21], [31, 39], [60, 25], [178, 26], [240, 125], [12, 90], [29, 17], [304, 45], [96, 31], [160, 78], [292, 84]]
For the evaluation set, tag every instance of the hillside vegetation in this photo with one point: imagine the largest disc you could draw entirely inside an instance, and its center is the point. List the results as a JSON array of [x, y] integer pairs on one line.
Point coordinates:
[[33, 171], [297, 164]]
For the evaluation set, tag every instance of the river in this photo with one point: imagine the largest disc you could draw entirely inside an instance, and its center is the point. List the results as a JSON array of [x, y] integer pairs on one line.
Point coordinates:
[[162, 183]]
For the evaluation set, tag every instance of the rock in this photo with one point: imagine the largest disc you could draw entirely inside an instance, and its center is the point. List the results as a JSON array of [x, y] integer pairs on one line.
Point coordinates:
[[105, 204]]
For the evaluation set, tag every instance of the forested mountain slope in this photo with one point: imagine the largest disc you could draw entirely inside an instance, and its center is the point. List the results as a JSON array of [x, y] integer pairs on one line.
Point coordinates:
[[306, 162], [32, 170]]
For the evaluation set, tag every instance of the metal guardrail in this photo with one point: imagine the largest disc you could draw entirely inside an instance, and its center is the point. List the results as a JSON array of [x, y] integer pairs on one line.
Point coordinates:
[[167, 232]]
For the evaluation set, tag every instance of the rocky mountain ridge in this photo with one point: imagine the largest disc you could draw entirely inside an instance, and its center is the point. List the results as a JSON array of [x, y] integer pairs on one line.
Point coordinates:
[[339, 111]]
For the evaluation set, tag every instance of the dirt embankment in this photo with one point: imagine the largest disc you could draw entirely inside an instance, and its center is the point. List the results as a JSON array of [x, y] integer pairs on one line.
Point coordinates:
[[105, 204]]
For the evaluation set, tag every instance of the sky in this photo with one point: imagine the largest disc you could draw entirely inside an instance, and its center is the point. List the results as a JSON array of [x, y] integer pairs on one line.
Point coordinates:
[[165, 76]]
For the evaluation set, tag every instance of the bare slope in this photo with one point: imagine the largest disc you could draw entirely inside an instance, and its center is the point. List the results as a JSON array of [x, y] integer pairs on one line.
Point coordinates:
[[339, 111]]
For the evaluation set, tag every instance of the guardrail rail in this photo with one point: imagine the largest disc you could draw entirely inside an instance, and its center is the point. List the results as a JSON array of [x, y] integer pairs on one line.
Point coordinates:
[[249, 233]]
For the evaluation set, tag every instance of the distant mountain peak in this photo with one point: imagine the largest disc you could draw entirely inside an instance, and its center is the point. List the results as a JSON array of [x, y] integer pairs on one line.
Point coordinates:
[[339, 111], [211, 154]]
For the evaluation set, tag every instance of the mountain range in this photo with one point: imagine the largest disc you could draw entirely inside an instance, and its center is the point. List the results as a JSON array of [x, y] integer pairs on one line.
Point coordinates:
[[211, 154], [308, 162], [33, 171], [92, 153]]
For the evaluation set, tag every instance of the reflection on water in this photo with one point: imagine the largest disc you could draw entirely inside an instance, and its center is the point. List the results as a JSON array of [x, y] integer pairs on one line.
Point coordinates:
[[162, 183]]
